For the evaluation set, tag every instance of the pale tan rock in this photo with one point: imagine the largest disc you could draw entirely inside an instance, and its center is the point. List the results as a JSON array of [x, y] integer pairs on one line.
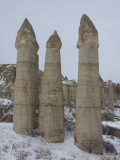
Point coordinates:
[[110, 96], [69, 91], [88, 126], [26, 96], [102, 94], [51, 109], [66, 93], [118, 90], [72, 91]]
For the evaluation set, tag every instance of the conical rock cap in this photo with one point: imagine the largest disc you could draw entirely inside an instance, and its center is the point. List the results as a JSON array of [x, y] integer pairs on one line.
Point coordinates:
[[26, 34], [54, 41], [26, 26], [88, 35]]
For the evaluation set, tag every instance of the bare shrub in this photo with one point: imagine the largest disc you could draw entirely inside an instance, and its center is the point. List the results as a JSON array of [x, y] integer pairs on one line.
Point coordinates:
[[35, 133], [69, 126], [109, 148], [5, 148], [43, 153], [22, 155]]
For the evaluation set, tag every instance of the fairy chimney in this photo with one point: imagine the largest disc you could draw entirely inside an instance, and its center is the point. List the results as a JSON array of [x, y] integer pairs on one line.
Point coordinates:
[[26, 96], [88, 126], [51, 109], [110, 96]]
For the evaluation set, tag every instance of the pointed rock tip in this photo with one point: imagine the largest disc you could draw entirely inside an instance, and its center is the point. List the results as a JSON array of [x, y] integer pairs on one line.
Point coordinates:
[[54, 40], [27, 29], [26, 26], [84, 16], [26, 20], [55, 32], [85, 20], [25, 23], [88, 34]]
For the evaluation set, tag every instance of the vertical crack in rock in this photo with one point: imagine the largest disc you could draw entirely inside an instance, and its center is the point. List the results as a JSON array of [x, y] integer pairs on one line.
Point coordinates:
[[88, 127], [26, 96], [51, 110]]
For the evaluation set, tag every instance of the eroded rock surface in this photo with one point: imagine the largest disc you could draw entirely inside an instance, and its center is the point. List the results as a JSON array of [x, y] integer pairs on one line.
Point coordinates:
[[51, 109], [88, 126], [27, 83]]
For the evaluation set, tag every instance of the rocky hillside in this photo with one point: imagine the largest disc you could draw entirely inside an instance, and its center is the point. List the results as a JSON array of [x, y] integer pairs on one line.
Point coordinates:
[[110, 93], [7, 79], [111, 120]]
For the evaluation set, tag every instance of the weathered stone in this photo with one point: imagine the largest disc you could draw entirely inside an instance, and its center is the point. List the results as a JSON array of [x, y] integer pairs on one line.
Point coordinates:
[[102, 94], [51, 110], [8, 75], [72, 91], [66, 94], [69, 91], [110, 96], [88, 126], [26, 96]]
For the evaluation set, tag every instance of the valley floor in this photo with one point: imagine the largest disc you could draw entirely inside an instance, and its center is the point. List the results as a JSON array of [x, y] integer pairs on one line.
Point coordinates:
[[17, 147]]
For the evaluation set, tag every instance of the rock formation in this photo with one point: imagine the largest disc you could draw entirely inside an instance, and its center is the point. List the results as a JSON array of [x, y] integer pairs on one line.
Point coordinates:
[[65, 94], [26, 96], [7, 79], [102, 94], [8, 75], [51, 110], [110, 96], [69, 91], [72, 91], [88, 126]]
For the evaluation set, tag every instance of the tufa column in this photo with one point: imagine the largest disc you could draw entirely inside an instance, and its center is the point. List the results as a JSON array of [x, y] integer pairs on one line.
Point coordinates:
[[72, 91], [51, 110], [110, 96], [65, 93], [26, 95], [88, 126], [102, 94]]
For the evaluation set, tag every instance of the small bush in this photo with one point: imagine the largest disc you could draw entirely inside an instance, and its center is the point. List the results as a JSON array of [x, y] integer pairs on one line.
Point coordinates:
[[109, 148], [42, 153]]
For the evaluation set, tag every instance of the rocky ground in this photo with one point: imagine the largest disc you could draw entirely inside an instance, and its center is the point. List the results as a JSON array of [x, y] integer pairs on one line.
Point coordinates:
[[17, 147]]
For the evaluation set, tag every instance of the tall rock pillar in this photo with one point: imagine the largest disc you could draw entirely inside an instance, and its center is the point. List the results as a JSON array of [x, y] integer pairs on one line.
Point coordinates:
[[51, 110], [72, 91], [88, 127], [110, 96], [65, 93], [26, 96], [102, 94]]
